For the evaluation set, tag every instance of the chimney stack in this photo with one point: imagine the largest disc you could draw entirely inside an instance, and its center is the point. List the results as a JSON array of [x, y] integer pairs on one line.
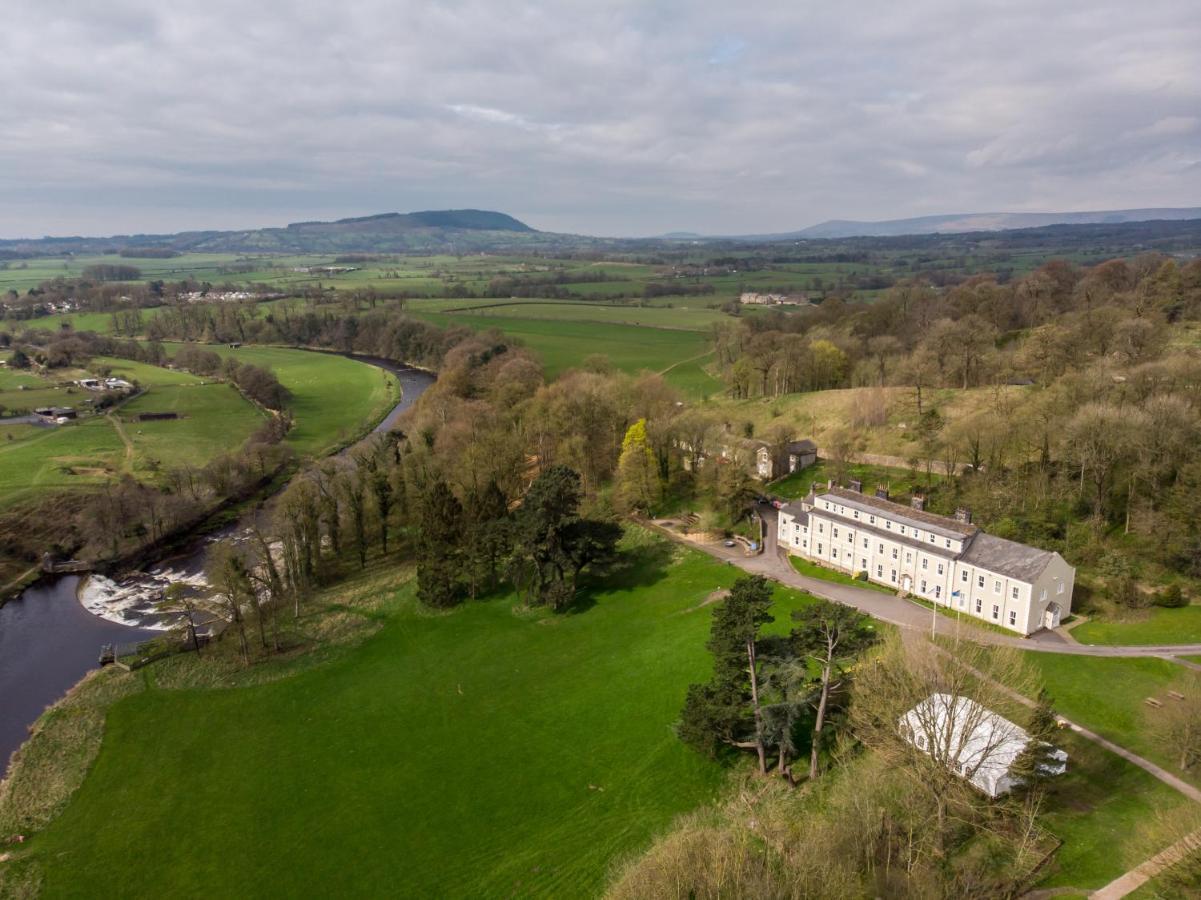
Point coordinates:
[[918, 502], [856, 485], [882, 492], [964, 515]]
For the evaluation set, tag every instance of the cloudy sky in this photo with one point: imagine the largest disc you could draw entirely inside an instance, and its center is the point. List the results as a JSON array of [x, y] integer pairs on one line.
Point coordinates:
[[596, 117]]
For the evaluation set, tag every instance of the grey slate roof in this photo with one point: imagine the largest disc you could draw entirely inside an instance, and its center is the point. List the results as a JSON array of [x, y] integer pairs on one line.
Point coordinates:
[[1006, 557], [942, 525], [795, 510]]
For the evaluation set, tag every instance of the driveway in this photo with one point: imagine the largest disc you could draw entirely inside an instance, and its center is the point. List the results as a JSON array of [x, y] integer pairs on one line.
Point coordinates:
[[773, 563]]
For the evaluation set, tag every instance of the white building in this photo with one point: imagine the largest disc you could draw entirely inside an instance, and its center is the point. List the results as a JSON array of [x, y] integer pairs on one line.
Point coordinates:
[[947, 561], [974, 742]]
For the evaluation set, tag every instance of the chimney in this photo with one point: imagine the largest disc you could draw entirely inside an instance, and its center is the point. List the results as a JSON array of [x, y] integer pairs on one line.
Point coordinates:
[[882, 492], [856, 485], [918, 502], [964, 515]]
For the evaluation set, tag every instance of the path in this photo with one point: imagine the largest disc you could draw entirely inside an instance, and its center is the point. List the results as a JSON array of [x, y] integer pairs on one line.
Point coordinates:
[[1137, 877], [684, 362], [116, 423]]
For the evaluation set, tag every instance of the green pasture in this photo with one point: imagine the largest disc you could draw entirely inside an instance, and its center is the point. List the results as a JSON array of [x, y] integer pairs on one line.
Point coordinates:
[[483, 752], [689, 318], [213, 419], [563, 345], [334, 399]]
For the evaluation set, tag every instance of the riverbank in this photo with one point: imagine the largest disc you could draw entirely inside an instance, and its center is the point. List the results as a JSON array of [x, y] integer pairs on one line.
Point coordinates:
[[38, 678]]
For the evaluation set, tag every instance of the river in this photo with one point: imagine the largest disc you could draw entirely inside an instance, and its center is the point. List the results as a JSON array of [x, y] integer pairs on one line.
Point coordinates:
[[48, 641]]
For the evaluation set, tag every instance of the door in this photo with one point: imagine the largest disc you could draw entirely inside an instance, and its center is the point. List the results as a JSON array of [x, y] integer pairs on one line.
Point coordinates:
[[906, 583]]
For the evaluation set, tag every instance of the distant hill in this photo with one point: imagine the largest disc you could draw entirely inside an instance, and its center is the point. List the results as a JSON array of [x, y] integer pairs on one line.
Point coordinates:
[[447, 230], [968, 222]]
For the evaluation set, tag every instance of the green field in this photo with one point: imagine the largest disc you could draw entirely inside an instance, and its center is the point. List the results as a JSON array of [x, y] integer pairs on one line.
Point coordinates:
[[682, 317], [484, 752], [812, 570], [1155, 626], [563, 345], [334, 399], [1106, 695], [33, 459]]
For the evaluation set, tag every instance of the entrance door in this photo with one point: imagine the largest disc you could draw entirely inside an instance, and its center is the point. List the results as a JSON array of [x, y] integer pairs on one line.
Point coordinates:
[[1051, 616], [906, 583]]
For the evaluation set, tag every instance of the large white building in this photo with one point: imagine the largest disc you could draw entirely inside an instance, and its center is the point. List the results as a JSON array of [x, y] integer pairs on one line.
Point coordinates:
[[945, 560]]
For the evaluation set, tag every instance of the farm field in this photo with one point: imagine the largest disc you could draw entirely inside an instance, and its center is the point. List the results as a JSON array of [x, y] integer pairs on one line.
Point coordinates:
[[1153, 626], [545, 745], [214, 418], [564, 345], [688, 318], [334, 399]]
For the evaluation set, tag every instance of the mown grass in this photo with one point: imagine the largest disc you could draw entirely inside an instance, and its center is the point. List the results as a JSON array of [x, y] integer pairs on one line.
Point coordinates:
[[1154, 626], [899, 482], [214, 419], [1106, 695], [483, 752]]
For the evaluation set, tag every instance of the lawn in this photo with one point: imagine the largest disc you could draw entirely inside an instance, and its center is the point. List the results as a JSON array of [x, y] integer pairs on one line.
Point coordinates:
[[813, 570], [1155, 626], [485, 752], [899, 482], [334, 399], [87, 453], [696, 318], [1106, 695], [691, 380], [564, 345], [1099, 809]]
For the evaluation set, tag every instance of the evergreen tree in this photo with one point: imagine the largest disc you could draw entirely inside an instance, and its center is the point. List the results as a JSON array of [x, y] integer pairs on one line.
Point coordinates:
[[439, 556]]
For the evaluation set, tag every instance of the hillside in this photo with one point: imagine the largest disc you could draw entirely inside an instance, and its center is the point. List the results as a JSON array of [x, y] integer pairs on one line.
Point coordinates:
[[449, 230], [1000, 221]]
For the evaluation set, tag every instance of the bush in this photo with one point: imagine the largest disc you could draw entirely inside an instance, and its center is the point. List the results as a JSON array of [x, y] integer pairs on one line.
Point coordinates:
[[1171, 597], [1124, 592]]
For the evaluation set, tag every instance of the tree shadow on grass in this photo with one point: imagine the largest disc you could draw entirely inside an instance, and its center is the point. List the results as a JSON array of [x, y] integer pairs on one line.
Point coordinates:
[[638, 567]]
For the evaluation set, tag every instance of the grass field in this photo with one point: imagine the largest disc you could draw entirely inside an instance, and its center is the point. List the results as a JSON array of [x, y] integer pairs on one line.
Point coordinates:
[[898, 481], [813, 570], [682, 317], [1154, 626], [564, 345], [334, 399], [1106, 696], [485, 752], [34, 459]]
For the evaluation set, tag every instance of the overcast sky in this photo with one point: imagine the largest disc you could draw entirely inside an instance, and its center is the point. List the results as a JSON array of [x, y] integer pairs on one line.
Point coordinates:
[[598, 117]]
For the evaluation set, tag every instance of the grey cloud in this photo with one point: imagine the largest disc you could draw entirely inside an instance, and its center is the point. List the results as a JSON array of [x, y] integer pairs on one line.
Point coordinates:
[[625, 117]]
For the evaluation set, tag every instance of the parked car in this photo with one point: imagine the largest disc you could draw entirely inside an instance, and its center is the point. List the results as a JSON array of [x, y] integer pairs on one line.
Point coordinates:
[[730, 542]]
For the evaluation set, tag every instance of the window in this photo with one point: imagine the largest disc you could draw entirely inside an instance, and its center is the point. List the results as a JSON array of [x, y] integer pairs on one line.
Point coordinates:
[[902, 529], [1013, 619], [865, 543], [978, 605], [820, 527], [923, 585], [894, 552], [1044, 596], [894, 576], [963, 576], [908, 557], [996, 587], [1059, 590], [881, 548], [940, 568], [980, 581], [925, 563], [917, 535], [879, 571], [805, 544], [888, 524], [1015, 593], [850, 537], [921, 742], [931, 539], [833, 553], [856, 514], [948, 543], [937, 591], [996, 611], [872, 519], [819, 549], [835, 532]]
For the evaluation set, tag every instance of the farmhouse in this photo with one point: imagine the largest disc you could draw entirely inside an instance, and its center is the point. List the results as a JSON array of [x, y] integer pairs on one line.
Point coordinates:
[[59, 414], [754, 299], [945, 560], [973, 742], [771, 461]]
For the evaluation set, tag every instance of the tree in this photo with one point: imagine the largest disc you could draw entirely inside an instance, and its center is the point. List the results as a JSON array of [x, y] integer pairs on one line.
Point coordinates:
[[440, 524], [638, 487], [229, 574], [1176, 726], [832, 636], [726, 710], [487, 536], [19, 359], [552, 544], [178, 599]]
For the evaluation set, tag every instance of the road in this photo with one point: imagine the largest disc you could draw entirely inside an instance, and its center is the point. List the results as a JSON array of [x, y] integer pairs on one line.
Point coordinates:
[[773, 563]]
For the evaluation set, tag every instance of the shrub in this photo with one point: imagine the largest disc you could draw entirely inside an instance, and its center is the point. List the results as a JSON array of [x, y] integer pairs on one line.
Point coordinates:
[[1124, 592], [1171, 597]]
